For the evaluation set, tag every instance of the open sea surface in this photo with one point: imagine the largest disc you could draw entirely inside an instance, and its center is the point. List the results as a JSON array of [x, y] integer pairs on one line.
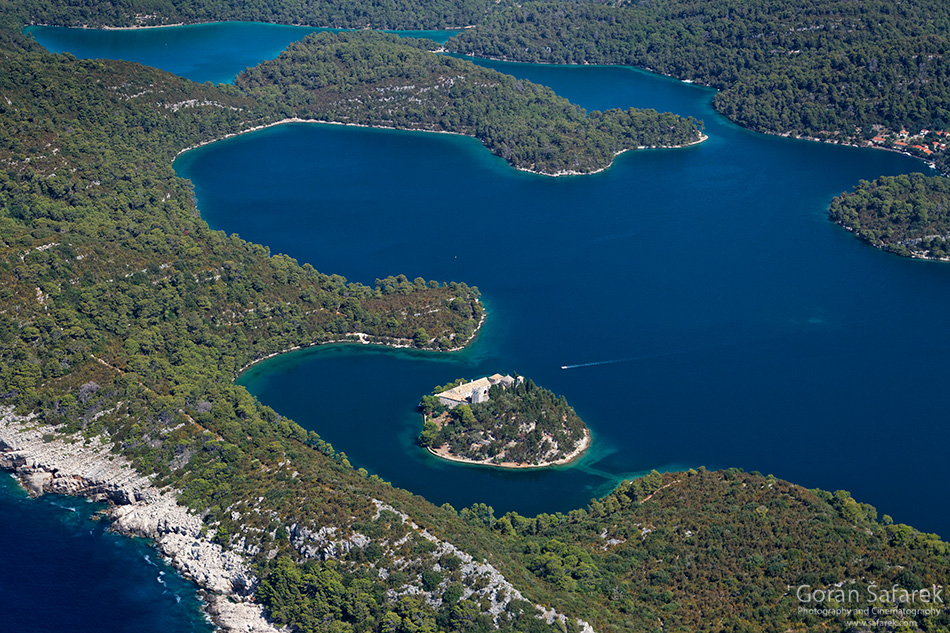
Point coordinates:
[[62, 572], [710, 313]]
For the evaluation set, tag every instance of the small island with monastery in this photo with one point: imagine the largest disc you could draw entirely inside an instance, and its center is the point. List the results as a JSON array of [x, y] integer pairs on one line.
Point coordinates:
[[505, 421]]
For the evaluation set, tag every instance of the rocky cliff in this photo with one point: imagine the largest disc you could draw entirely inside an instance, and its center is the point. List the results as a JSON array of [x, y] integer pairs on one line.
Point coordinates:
[[47, 463]]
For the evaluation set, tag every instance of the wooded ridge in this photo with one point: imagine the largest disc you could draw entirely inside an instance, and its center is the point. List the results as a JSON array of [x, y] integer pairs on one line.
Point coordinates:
[[908, 214], [382, 80]]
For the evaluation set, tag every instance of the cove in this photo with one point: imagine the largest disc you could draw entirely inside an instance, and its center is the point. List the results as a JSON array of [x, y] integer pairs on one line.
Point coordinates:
[[735, 326], [214, 52], [62, 571]]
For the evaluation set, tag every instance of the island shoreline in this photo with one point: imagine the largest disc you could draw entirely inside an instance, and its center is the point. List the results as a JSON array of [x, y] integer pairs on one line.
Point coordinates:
[[573, 456], [264, 126]]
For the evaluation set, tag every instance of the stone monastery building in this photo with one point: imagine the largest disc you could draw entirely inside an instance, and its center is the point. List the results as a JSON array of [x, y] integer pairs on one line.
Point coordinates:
[[475, 391]]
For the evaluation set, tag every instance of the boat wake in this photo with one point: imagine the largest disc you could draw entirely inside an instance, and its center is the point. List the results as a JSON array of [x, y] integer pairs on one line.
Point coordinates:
[[599, 362], [675, 350]]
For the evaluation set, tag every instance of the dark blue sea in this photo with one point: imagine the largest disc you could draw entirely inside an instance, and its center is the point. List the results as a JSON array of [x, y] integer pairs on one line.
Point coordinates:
[[63, 572], [708, 311]]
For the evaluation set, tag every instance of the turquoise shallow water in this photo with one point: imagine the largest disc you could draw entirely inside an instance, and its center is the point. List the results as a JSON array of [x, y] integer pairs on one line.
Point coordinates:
[[739, 327]]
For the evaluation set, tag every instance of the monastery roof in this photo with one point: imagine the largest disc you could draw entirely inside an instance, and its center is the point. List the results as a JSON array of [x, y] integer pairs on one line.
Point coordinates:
[[463, 392]]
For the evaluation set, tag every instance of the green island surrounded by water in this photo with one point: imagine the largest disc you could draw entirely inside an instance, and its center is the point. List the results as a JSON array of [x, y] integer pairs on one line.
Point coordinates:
[[503, 421]]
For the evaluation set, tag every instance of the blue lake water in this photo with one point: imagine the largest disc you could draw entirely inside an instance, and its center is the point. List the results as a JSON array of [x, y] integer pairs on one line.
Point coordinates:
[[735, 325], [214, 52], [745, 328]]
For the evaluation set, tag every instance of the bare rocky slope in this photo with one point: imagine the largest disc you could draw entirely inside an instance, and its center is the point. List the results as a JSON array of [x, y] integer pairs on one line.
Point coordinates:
[[70, 464]]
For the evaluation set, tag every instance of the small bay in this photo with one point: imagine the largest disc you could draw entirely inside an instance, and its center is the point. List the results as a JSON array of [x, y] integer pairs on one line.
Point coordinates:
[[735, 325]]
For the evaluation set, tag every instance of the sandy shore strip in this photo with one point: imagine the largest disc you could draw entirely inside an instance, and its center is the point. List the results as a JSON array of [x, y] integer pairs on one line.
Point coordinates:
[[443, 453]]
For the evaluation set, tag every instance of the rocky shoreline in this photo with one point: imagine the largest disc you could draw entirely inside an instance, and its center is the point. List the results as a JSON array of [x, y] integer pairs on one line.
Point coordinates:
[[495, 587], [45, 463]]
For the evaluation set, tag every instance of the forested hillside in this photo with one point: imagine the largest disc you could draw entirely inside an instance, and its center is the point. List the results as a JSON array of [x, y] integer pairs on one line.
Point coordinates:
[[103, 243], [830, 69], [697, 551], [394, 14], [382, 80], [123, 313], [907, 215], [123, 316]]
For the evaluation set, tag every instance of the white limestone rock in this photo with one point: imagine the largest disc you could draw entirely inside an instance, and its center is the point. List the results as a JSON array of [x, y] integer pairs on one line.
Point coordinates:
[[239, 617], [88, 468]]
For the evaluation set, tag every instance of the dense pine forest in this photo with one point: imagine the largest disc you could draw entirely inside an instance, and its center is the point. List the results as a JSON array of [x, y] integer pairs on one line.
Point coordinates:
[[383, 80], [697, 550], [829, 69], [124, 316], [394, 14], [907, 215], [518, 424]]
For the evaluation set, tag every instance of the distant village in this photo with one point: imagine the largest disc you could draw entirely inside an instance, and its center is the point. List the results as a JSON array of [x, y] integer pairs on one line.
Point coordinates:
[[927, 144]]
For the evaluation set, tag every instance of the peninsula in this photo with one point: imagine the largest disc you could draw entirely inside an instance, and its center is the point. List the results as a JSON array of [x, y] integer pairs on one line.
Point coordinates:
[[503, 421], [839, 72], [908, 215], [381, 80]]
